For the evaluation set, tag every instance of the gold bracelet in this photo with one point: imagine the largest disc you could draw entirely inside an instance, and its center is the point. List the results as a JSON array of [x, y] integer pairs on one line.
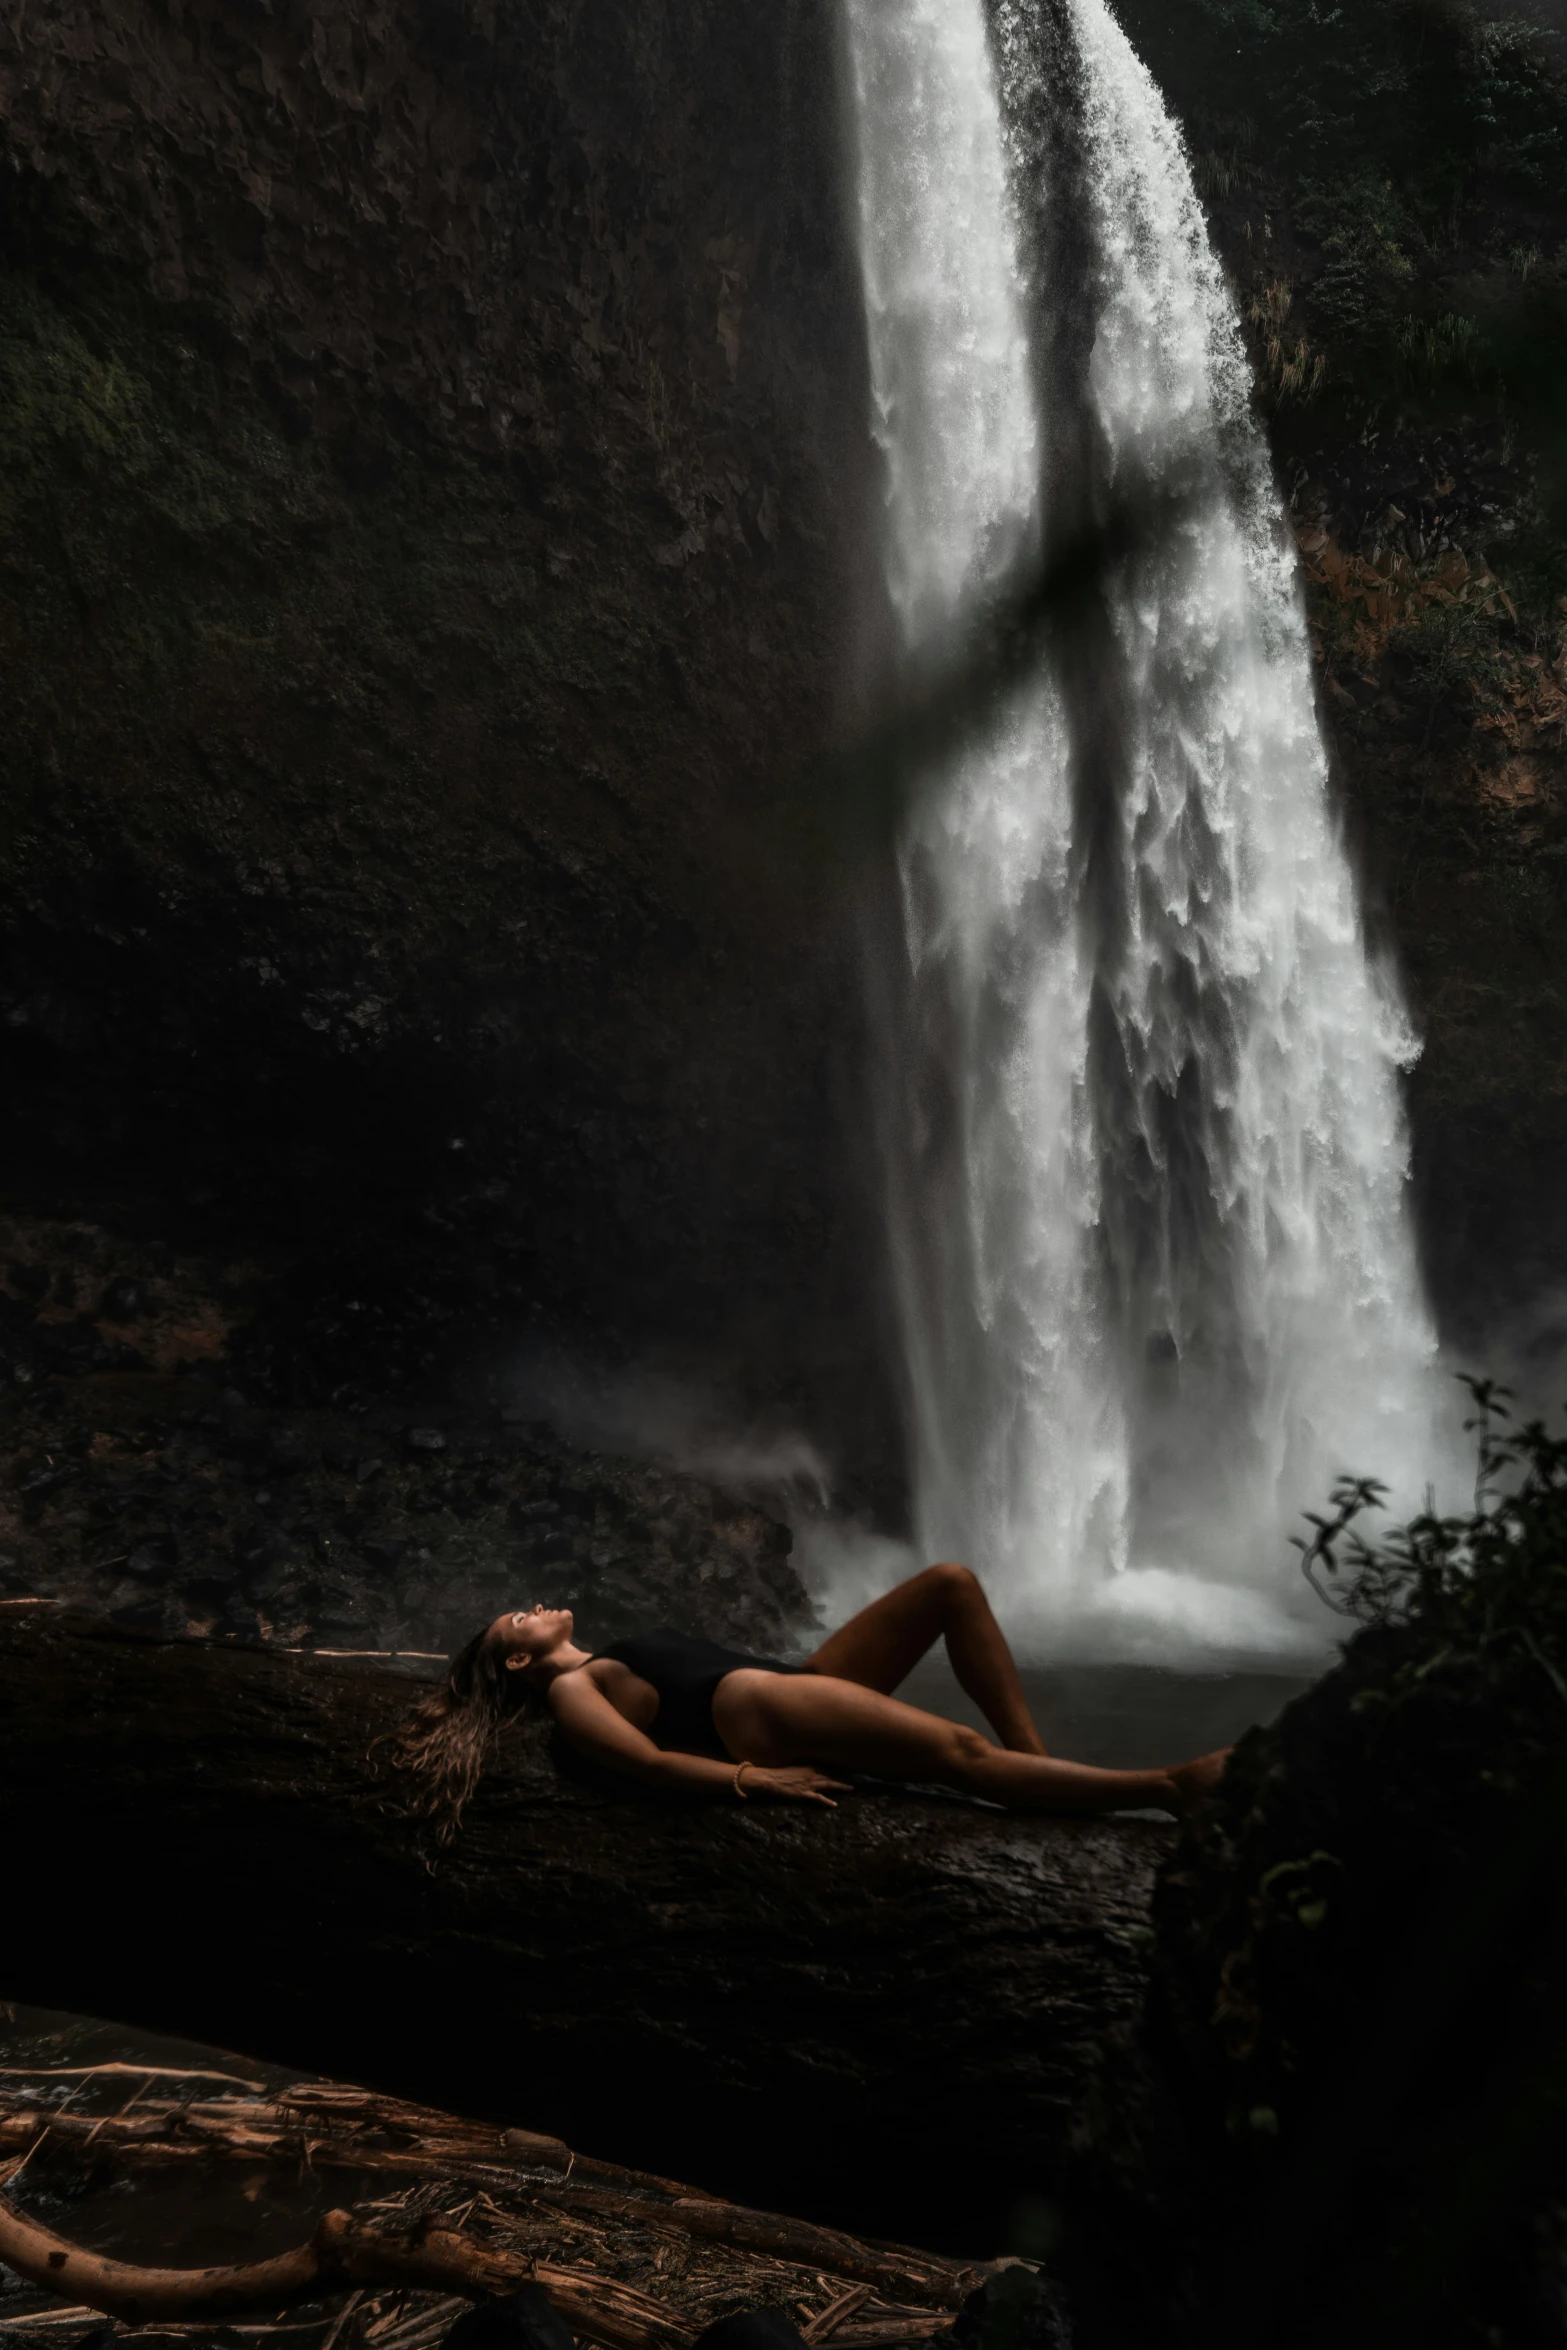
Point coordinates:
[[739, 1790]]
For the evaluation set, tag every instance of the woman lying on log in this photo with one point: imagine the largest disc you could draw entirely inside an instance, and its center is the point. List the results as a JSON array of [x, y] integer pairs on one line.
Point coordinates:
[[680, 1712]]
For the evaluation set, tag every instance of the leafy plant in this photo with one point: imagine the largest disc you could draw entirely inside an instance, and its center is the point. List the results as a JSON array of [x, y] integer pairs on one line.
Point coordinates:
[[1215, 174], [1288, 367], [1446, 350], [1449, 648], [1359, 213], [1421, 147], [1484, 1584]]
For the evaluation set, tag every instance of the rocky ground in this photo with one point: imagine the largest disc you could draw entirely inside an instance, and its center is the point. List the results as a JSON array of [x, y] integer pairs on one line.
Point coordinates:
[[144, 1475]]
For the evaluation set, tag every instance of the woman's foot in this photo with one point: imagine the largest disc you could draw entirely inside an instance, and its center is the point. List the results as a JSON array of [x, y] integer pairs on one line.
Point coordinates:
[[1196, 1780]]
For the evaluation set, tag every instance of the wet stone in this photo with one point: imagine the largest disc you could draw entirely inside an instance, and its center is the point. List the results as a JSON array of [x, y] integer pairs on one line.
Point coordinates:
[[265, 1554], [205, 1593], [277, 1577], [153, 1559], [149, 1615], [244, 1525], [344, 1611]]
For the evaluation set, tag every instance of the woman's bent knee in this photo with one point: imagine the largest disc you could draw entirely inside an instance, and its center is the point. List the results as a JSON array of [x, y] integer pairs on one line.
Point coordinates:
[[959, 1587], [969, 1753], [951, 1577]]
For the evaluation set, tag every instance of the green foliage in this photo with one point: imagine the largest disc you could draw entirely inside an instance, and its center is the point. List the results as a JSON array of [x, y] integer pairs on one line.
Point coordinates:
[[1449, 655], [1422, 150], [1516, 108], [1432, 95], [1449, 349], [1365, 231], [1486, 1585], [1357, 306], [1359, 214]]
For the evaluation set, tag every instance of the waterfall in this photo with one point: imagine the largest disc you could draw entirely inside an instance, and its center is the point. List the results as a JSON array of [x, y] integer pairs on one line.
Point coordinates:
[[1146, 1160]]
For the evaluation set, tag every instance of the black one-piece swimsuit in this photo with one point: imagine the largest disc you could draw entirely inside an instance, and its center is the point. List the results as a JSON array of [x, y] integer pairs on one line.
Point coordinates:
[[685, 1669]]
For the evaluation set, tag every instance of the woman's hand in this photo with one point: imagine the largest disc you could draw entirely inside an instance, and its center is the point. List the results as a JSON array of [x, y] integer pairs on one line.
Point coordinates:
[[794, 1783]]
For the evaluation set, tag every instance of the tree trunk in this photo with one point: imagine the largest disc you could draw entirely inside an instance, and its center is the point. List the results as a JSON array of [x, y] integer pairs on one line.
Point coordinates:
[[894, 2015]]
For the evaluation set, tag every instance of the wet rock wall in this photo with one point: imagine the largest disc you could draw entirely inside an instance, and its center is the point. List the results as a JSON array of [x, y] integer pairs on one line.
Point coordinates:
[[430, 453]]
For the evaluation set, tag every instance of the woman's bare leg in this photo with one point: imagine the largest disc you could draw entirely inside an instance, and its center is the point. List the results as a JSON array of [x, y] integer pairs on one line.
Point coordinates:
[[842, 1725], [881, 1646]]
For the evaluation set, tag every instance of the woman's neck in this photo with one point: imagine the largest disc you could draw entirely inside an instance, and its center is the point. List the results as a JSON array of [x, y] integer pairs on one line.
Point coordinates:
[[565, 1659]]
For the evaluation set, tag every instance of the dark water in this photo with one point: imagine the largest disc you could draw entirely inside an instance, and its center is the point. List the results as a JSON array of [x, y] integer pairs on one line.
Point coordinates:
[[1124, 1716]]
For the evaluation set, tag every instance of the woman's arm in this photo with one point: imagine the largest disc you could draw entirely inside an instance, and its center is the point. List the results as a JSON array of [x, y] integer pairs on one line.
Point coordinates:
[[591, 1726]]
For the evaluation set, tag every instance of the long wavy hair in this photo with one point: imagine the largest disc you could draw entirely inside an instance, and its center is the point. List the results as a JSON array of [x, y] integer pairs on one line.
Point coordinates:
[[446, 1740]]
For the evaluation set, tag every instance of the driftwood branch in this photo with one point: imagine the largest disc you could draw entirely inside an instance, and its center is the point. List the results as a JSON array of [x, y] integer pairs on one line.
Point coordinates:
[[828, 2320], [123, 2290], [598, 2308], [328, 2127], [343, 2250], [911, 2276], [324, 2127], [136, 2072]]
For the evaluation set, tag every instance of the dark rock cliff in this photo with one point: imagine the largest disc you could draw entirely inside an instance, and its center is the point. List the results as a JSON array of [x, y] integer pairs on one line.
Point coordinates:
[[427, 434]]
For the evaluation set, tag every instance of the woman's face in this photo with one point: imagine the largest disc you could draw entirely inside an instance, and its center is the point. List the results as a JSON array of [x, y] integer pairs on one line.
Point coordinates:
[[530, 1633]]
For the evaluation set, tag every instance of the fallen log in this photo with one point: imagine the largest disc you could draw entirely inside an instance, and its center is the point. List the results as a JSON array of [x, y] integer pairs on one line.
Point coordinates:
[[895, 2014]]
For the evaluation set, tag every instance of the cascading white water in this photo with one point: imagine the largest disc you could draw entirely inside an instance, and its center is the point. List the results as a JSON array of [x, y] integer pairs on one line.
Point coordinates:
[[1146, 1158]]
